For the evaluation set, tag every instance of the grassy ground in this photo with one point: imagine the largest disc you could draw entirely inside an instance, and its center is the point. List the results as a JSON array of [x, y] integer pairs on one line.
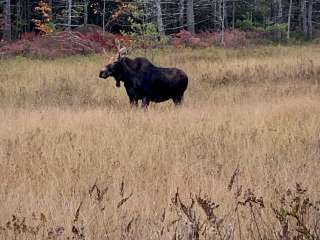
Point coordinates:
[[66, 135]]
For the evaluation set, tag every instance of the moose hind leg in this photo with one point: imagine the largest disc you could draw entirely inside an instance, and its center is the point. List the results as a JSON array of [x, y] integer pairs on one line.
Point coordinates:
[[178, 100]]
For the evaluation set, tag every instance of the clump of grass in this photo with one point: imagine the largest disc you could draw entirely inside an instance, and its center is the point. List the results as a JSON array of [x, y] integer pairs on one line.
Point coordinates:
[[248, 217], [75, 82], [298, 215], [62, 130], [39, 227]]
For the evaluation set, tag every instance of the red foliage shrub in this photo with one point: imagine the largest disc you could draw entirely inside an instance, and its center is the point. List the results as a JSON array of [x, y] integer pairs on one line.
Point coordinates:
[[194, 41], [181, 39], [29, 36], [61, 44], [233, 38], [81, 42]]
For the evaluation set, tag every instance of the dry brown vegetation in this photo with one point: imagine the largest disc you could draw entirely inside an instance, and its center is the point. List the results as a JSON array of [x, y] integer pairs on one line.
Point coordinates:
[[76, 161]]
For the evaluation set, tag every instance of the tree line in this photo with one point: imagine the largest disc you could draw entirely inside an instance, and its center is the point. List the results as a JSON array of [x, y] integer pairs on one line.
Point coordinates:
[[290, 18]]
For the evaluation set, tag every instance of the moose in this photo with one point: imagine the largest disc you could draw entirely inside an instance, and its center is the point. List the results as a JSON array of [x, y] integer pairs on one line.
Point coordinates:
[[144, 81]]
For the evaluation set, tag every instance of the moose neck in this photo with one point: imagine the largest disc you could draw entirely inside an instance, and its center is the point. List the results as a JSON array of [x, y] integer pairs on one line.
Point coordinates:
[[122, 72], [127, 73]]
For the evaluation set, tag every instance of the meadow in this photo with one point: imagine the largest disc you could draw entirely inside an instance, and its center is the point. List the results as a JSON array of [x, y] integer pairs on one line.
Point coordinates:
[[76, 161]]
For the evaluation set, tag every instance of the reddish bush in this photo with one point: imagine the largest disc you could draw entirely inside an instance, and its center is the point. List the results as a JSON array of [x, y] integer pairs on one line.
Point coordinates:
[[29, 36], [61, 44], [233, 38], [181, 39], [194, 41], [80, 42]]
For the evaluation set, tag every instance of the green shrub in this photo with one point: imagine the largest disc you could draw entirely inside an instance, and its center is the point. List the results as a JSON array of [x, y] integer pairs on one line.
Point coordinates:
[[246, 25], [278, 27]]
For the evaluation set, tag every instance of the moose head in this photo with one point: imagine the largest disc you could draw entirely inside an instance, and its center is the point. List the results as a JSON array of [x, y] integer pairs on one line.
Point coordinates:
[[112, 67]]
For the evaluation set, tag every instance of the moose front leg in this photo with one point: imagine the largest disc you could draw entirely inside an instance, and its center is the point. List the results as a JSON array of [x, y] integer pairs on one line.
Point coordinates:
[[133, 101], [145, 102], [132, 97]]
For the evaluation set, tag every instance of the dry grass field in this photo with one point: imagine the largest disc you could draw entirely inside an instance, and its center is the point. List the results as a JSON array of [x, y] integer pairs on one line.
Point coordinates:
[[76, 161]]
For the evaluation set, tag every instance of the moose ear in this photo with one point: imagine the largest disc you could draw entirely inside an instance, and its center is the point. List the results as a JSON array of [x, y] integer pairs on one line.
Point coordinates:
[[123, 52], [106, 55], [117, 42]]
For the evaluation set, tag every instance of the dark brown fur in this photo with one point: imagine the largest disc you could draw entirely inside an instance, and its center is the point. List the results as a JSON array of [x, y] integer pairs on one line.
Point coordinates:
[[146, 82]]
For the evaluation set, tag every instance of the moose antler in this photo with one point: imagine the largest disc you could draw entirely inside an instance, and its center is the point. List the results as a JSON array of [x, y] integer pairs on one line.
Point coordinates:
[[122, 51], [109, 59], [118, 45]]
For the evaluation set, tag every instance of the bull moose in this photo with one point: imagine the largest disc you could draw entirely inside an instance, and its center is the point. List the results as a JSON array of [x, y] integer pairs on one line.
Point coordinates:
[[144, 81]]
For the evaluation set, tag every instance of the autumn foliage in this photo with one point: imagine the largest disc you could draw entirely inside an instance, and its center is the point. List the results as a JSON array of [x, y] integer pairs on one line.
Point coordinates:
[[61, 44], [44, 17], [232, 38], [123, 8], [1, 21]]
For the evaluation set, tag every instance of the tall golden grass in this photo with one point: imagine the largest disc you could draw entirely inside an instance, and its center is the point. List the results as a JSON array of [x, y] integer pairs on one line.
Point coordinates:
[[63, 132]]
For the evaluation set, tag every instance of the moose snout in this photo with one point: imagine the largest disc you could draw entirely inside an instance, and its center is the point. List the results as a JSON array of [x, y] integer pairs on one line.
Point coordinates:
[[102, 74]]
